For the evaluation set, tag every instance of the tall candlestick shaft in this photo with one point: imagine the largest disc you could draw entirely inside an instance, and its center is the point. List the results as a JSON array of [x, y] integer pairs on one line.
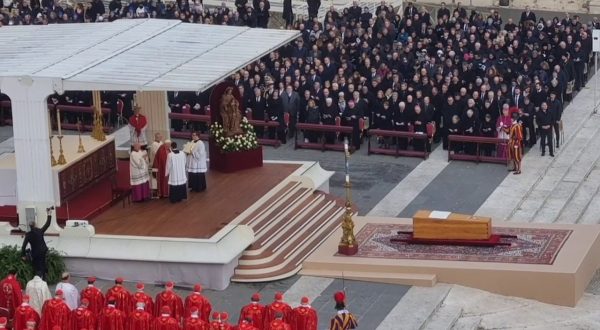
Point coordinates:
[[58, 122]]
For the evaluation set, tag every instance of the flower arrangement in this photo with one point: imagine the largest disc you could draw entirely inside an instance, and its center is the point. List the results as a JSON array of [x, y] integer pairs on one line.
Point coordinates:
[[240, 142]]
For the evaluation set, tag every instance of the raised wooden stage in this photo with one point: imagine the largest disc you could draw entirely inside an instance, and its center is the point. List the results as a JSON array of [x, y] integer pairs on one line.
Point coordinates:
[[203, 214]]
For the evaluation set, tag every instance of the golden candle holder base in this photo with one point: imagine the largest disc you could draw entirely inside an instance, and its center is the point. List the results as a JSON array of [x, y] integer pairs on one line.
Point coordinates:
[[98, 130], [80, 149], [52, 159], [61, 157], [348, 245]]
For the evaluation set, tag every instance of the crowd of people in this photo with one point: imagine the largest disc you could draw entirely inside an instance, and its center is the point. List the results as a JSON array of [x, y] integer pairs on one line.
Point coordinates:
[[119, 309]]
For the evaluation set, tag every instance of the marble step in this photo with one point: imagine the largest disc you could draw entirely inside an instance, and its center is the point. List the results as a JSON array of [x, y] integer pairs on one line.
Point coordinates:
[[582, 199], [444, 318], [467, 323]]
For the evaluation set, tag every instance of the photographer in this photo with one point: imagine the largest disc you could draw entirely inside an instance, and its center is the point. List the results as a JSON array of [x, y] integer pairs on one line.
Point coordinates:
[[35, 238]]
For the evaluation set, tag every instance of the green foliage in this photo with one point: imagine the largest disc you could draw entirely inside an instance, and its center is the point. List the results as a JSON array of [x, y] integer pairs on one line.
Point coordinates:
[[10, 258]]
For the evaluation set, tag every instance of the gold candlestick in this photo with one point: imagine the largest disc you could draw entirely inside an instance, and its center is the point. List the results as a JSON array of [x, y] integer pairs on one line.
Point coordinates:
[[52, 159], [348, 244], [61, 157], [98, 130], [80, 149]]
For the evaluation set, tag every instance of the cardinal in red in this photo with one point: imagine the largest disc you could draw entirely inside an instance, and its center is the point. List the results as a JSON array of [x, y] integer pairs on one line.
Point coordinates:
[[170, 299], [164, 321], [194, 321], [121, 295], [253, 313], [215, 324], [3, 322], [11, 293], [23, 314], [245, 325], [30, 325], [82, 317], [55, 313], [304, 317], [94, 296], [196, 299], [140, 295], [110, 317], [278, 323], [225, 321], [160, 163], [140, 318], [278, 305]]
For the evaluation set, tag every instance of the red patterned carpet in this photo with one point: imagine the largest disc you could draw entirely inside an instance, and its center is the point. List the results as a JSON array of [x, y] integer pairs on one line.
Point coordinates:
[[532, 246]]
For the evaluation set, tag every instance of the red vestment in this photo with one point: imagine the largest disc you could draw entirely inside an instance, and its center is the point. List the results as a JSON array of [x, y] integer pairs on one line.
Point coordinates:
[[304, 318], [55, 313], [255, 312], [218, 325], [272, 309], [165, 323], [144, 297], [95, 297], [171, 299], [197, 300], [11, 294], [245, 326], [139, 320], [278, 325], [111, 318], [160, 163], [82, 318], [138, 122], [23, 314], [195, 323], [122, 298]]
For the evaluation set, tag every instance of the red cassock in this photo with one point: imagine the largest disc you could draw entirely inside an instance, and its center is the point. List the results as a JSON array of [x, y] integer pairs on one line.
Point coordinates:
[[197, 300], [278, 325], [165, 323], [55, 313], [122, 298], [142, 296], [82, 318], [139, 320], [272, 309], [138, 123], [111, 319], [245, 327], [160, 163], [169, 298], [255, 312], [304, 318], [23, 314], [194, 323], [11, 294], [95, 297]]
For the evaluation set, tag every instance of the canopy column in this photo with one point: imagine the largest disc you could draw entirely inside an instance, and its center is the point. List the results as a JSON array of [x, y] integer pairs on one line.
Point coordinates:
[[31, 132], [155, 107]]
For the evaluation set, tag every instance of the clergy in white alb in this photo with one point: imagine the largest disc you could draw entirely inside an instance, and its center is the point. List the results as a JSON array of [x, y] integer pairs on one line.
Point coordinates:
[[177, 175], [70, 292], [138, 174], [158, 141], [196, 165], [38, 292]]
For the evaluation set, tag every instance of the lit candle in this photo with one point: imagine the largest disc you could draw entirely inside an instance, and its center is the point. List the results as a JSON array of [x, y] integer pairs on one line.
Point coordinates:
[[347, 178], [345, 145], [58, 122]]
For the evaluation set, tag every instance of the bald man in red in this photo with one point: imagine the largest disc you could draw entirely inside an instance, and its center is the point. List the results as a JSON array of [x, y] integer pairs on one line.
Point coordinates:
[[140, 318], [11, 293], [110, 317], [165, 321], [140, 295], [254, 312], [23, 314], [194, 321], [304, 317], [55, 313], [82, 317], [196, 299], [121, 295], [94, 296], [170, 299], [278, 305]]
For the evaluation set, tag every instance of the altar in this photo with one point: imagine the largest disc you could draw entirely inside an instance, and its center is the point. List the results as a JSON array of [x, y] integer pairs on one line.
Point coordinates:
[[81, 170]]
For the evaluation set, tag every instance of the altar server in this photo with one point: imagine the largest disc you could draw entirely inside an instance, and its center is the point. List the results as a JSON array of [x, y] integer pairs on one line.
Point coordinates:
[[137, 128], [196, 164], [138, 174], [177, 176]]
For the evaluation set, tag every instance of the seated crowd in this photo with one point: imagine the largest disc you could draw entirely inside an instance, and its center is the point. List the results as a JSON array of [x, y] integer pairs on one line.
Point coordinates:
[[458, 72], [120, 309]]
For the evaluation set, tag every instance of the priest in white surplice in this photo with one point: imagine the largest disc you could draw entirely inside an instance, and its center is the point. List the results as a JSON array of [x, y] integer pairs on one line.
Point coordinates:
[[139, 176], [177, 176], [196, 165], [158, 141], [38, 293]]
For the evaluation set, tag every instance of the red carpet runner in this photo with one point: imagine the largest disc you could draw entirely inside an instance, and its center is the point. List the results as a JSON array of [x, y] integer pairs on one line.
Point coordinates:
[[87, 204]]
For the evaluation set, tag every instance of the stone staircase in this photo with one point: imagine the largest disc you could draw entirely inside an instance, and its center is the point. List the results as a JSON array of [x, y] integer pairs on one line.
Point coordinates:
[[288, 227]]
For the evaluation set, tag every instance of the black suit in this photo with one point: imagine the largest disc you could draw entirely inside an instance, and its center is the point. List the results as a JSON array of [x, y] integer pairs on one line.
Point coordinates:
[[175, 103], [259, 108], [35, 238]]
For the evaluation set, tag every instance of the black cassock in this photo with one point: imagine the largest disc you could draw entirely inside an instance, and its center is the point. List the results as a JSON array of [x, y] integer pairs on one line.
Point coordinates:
[[328, 118], [401, 122], [419, 122], [470, 127], [350, 118]]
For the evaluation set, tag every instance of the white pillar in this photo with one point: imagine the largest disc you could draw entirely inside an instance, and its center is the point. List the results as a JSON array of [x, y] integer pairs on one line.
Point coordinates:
[[32, 146]]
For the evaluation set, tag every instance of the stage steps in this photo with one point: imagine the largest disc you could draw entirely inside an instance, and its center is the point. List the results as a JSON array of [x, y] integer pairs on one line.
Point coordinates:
[[413, 279], [288, 227]]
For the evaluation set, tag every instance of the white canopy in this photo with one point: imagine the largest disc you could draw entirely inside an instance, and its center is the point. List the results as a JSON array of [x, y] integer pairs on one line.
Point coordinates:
[[138, 55]]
